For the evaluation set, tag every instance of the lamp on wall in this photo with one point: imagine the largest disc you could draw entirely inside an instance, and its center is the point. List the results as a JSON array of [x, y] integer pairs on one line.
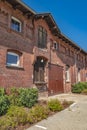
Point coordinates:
[[42, 60]]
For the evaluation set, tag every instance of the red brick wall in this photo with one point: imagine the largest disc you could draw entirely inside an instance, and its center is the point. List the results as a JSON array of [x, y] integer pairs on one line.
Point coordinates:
[[26, 42]]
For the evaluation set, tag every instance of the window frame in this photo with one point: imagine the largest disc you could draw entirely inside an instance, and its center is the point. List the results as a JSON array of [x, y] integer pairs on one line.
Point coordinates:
[[13, 54], [67, 73], [55, 45], [79, 75], [42, 37], [20, 24]]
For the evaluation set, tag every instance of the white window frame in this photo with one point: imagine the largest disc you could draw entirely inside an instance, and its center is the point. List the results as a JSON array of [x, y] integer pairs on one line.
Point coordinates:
[[17, 20], [18, 58], [79, 76], [67, 74]]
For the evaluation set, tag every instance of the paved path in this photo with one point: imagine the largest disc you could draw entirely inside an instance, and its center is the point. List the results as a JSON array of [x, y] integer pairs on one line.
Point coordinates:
[[73, 118]]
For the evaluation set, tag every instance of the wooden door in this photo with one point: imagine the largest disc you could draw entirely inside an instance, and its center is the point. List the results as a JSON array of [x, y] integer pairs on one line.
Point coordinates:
[[55, 79]]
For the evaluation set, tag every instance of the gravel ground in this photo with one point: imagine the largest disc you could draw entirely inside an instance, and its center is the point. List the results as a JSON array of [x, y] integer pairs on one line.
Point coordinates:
[[72, 118]]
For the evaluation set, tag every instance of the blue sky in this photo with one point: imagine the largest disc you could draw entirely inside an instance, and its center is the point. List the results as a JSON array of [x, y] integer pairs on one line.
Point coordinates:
[[70, 16]]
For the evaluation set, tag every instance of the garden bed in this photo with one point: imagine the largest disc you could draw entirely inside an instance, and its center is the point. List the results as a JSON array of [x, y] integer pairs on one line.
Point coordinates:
[[21, 109]]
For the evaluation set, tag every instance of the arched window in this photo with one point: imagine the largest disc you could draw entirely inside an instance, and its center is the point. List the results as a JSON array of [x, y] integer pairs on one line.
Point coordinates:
[[42, 37], [13, 59]]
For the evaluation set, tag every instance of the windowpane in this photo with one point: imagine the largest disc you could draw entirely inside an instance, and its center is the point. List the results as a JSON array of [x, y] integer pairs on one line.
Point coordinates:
[[12, 59], [42, 37], [15, 25], [67, 73]]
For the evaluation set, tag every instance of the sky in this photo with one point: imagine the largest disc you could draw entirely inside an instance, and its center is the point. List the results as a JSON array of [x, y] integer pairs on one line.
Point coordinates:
[[70, 16]]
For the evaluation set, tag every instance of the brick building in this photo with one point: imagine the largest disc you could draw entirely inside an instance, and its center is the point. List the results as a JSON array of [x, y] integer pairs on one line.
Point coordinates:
[[33, 51]]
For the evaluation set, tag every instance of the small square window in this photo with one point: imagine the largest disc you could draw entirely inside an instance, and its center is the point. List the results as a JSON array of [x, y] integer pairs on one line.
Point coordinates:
[[12, 59], [15, 24]]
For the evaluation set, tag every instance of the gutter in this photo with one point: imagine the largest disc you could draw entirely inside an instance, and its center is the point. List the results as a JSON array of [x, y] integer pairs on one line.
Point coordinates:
[[27, 7]]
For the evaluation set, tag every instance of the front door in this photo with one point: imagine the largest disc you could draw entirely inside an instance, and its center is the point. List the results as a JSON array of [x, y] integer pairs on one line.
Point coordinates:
[[39, 70]]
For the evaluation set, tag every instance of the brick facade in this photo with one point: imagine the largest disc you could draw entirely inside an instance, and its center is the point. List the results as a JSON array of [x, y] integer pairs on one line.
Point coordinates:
[[25, 43]]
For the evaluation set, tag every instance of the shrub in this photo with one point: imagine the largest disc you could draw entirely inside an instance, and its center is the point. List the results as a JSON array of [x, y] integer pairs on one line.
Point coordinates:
[[55, 105], [2, 91], [84, 91], [28, 97], [79, 87], [4, 104], [14, 96], [37, 113], [18, 114], [7, 123]]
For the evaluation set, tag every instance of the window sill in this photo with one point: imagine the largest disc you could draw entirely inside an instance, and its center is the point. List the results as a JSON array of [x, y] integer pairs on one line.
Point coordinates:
[[40, 82], [43, 49], [16, 32], [67, 81], [14, 67]]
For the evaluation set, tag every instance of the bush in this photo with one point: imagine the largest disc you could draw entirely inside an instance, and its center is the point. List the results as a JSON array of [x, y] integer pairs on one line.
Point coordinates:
[[14, 96], [79, 87], [2, 91], [18, 114], [55, 105], [84, 91], [4, 104], [37, 113], [7, 123], [28, 97]]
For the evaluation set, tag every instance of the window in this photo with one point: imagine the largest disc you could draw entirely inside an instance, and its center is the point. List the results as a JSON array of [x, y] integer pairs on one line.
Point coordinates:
[[42, 37], [86, 75], [15, 24], [12, 59], [67, 73], [55, 46], [79, 78]]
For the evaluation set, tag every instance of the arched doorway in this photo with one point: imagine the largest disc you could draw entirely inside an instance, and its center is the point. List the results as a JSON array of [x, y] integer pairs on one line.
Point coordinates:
[[40, 73]]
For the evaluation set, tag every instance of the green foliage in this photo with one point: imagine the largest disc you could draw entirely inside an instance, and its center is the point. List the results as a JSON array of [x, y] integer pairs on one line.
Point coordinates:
[[7, 123], [79, 87], [23, 97], [37, 113], [55, 105], [14, 96], [84, 91], [2, 91], [4, 104], [28, 97], [18, 114]]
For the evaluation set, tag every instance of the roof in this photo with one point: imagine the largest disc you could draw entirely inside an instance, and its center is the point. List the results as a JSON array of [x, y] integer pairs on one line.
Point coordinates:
[[18, 4], [71, 43], [50, 21]]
